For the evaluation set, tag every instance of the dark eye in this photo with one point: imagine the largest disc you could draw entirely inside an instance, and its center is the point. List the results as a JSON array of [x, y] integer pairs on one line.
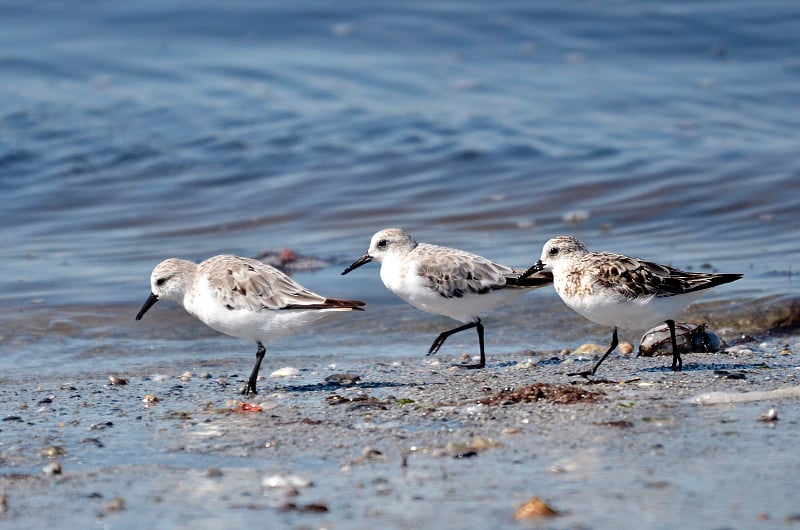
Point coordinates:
[[382, 243], [554, 251], [161, 281]]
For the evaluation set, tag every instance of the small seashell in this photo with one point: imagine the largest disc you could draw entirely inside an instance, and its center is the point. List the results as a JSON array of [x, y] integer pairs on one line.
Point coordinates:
[[589, 349], [53, 468], [150, 398], [626, 348], [53, 451], [213, 472], [114, 505], [286, 482], [186, 376], [770, 415], [525, 364], [247, 407], [119, 381], [286, 371], [534, 508]]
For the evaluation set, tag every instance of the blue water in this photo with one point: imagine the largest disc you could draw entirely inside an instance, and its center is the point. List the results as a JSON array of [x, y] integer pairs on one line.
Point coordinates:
[[131, 132]]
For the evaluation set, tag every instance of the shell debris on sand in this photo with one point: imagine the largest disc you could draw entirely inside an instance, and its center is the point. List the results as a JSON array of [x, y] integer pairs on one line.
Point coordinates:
[[555, 393]]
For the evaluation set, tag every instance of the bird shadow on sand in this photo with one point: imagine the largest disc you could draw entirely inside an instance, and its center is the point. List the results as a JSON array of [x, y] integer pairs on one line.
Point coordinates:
[[710, 367], [317, 387]]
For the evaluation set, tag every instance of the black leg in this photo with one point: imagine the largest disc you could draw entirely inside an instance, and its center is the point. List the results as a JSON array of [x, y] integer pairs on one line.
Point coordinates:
[[250, 387], [677, 362], [614, 342], [443, 337]]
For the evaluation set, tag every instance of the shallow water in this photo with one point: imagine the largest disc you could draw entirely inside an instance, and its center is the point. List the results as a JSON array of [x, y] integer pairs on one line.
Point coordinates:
[[131, 133]]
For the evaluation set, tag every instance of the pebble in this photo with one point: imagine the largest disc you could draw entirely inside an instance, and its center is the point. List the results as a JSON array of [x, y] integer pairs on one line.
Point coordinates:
[[117, 380], [213, 472], [114, 505], [534, 508], [150, 398], [589, 349], [53, 468], [626, 348], [525, 364], [53, 451], [770, 415], [286, 371], [343, 379]]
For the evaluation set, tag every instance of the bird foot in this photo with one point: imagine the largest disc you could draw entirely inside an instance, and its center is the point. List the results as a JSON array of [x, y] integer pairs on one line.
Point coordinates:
[[249, 389]]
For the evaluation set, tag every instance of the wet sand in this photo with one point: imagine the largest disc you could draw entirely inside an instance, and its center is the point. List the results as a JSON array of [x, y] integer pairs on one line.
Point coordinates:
[[412, 443]]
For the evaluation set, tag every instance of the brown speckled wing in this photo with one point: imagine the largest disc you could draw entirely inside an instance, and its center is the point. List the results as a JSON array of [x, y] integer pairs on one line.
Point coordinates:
[[635, 278]]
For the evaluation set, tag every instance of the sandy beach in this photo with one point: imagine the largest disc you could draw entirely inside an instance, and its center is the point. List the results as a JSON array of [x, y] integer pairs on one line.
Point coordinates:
[[408, 443]]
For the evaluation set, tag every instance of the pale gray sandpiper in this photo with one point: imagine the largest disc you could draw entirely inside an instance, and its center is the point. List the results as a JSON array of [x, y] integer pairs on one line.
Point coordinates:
[[243, 298], [621, 291], [445, 281]]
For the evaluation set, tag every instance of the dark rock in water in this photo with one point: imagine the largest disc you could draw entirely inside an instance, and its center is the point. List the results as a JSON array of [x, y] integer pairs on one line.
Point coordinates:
[[690, 337]]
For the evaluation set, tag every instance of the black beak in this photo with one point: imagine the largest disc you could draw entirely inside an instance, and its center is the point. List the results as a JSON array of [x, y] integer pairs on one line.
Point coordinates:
[[152, 299], [363, 260], [536, 267]]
